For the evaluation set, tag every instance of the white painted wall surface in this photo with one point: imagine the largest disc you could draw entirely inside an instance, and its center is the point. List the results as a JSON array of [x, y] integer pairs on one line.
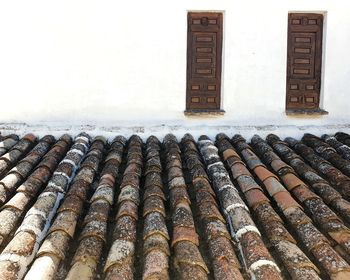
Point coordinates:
[[123, 63]]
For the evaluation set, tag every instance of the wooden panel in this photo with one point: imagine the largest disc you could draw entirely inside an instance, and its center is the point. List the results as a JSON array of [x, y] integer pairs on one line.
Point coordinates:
[[304, 60], [204, 51]]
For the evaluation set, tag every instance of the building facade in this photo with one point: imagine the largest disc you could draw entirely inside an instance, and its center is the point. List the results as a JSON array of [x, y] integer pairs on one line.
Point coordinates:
[[110, 64]]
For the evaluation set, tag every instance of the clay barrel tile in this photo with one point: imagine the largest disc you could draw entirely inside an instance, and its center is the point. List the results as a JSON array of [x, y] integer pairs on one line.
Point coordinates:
[[262, 173], [203, 185], [317, 183], [182, 215], [23, 169], [291, 181], [156, 241], [116, 155], [215, 229], [220, 248], [19, 201], [129, 193], [296, 216], [190, 271], [130, 179], [79, 189], [239, 169], [86, 257], [42, 174], [336, 267], [266, 214], [198, 173], [230, 198], [255, 197], [187, 253], [124, 235], [9, 217], [27, 191], [107, 179], [179, 195], [94, 228], [209, 210], [293, 258], [98, 211], [223, 269], [183, 233], [176, 182], [86, 174], [243, 221], [303, 193], [203, 196], [65, 221], [104, 192], [247, 182], [278, 164], [49, 162], [229, 153], [156, 266], [276, 232], [127, 208], [7, 144], [153, 179], [92, 238], [154, 204], [252, 160], [125, 229], [155, 223], [154, 190], [273, 186], [216, 233], [174, 172], [253, 248], [22, 246], [55, 244], [321, 214], [182, 219], [285, 200]]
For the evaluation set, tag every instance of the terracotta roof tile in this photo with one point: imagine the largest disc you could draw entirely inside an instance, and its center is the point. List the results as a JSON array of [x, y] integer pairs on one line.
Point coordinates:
[[322, 215], [327, 152], [7, 143], [326, 169], [86, 213], [291, 181], [187, 257], [325, 190]]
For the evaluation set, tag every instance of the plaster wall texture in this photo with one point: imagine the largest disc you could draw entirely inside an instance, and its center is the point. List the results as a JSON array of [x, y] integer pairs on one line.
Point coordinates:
[[123, 63]]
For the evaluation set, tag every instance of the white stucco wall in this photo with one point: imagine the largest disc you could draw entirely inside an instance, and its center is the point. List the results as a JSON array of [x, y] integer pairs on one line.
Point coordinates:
[[112, 63]]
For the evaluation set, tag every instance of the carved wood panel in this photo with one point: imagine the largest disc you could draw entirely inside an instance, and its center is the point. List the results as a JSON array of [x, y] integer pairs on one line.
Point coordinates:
[[204, 54], [304, 60]]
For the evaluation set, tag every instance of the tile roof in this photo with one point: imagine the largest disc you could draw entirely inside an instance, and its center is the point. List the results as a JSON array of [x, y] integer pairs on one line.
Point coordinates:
[[86, 208]]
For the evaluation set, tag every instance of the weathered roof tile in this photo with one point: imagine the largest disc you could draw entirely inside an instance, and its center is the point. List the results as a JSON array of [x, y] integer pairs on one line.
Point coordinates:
[[123, 227]]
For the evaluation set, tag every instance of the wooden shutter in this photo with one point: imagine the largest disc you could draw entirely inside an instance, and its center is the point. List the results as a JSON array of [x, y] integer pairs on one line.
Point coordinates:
[[304, 60], [204, 52]]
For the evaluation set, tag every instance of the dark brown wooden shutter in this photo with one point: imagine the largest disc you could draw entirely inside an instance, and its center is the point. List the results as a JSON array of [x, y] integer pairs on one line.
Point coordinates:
[[304, 60], [204, 51]]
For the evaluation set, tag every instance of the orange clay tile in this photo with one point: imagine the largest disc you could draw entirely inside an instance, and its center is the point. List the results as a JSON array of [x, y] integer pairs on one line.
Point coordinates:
[[263, 173], [184, 234], [291, 181], [278, 164], [247, 183], [229, 153], [273, 186], [255, 197], [239, 169], [303, 193], [285, 200]]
